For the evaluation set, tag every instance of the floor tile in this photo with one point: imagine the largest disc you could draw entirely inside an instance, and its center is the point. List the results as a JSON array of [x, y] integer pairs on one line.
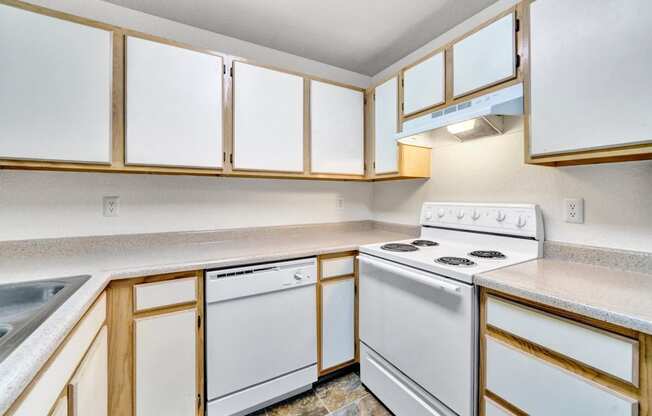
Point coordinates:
[[306, 404], [366, 406], [341, 391]]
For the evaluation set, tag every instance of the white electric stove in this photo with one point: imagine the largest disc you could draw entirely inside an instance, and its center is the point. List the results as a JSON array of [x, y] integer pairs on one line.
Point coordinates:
[[419, 307]]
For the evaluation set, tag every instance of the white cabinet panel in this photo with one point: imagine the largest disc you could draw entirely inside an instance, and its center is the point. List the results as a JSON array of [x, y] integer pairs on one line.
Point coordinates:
[[338, 266], [611, 353], [173, 106], [385, 127], [61, 408], [486, 57], [336, 129], [268, 119], [166, 293], [55, 89], [423, 84], [540, 388], [338, 322], [493, 409], [166, 361], [89, 388], [594, 92]]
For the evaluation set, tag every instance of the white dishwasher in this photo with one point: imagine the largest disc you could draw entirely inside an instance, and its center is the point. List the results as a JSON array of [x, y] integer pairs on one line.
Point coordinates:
[[261, 335]]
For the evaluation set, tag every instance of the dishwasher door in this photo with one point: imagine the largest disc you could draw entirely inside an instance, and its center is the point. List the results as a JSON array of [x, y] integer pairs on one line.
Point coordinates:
[[260, 324]]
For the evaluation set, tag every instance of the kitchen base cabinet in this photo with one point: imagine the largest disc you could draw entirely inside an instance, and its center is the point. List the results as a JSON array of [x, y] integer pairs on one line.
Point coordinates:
[[156, 358], [78, 362], [537, 360], [337, 311]]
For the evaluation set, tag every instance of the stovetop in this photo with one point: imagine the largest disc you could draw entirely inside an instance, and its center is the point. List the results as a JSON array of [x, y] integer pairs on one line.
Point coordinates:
[[461, 240]]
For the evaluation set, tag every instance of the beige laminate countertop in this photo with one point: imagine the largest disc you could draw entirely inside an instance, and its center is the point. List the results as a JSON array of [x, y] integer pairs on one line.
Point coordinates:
[[619, 297], [107, 258]]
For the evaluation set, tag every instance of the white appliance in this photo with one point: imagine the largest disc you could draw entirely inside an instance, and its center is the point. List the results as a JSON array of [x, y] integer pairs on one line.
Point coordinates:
[[504, 102], [261, 335], [419, 307]]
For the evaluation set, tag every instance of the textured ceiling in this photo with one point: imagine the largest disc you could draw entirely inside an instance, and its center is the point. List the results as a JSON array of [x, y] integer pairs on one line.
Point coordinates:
[[364, 36]]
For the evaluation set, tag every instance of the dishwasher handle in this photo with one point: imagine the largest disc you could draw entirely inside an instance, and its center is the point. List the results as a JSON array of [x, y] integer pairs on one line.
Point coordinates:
[[428, 281]]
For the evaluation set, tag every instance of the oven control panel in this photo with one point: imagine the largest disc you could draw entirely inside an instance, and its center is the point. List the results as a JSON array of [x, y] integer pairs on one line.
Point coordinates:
[[510, 219]]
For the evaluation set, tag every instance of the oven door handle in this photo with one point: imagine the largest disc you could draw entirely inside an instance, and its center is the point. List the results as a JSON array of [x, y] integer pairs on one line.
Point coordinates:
[[428, 281]]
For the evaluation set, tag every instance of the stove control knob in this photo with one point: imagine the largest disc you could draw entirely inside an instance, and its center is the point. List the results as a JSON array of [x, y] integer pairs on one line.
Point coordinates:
[[441, 212], [460, 214], [428, 215], [520, 223], [475, 215], [500, 216]]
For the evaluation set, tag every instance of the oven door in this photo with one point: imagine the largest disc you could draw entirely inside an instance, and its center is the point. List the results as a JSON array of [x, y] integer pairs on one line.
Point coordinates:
[[423, 324]]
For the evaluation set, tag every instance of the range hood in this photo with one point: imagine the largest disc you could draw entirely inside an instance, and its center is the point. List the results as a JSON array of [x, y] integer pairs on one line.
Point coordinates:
[[488, 109]]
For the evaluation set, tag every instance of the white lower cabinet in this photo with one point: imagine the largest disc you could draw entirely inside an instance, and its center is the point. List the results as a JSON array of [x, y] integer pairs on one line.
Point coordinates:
[[89, 388], [166, 364], [538, 387], [338, 322]]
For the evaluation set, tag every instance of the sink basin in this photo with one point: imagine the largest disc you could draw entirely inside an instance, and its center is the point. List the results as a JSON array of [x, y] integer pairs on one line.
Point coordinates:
[[24, 306]]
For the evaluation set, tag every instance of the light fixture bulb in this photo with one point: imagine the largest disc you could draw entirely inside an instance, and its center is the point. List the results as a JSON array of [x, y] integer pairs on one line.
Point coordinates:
[[461, 127]]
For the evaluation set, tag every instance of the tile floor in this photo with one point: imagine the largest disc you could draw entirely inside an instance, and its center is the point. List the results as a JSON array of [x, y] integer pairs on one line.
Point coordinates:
[[343, 395]]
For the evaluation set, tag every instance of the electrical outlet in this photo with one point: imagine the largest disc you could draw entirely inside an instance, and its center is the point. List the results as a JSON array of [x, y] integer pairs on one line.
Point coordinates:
[[110, 206], [574, 210], [339, 202]]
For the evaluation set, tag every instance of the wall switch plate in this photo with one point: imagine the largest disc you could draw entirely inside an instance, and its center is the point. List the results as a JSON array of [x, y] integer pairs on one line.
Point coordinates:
[[574, 210], [110, 206]]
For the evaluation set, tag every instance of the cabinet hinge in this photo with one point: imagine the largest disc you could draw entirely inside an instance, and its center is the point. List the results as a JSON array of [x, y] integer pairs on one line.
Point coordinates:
[[402, 107], [231, 72], [517, 25], [518, 60], [402, 82], [224, 69], [374, 165], [374, 95], [198, 321], [199, 401], [231, 158]]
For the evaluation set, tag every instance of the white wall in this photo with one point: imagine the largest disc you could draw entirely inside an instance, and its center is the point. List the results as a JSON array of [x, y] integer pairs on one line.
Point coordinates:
[[66, 204], [135, 20], [618, 197]]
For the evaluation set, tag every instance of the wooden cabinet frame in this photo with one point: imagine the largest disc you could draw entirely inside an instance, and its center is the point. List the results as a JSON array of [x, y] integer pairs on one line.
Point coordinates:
[[122, 341], [642, 393], [324, 281]]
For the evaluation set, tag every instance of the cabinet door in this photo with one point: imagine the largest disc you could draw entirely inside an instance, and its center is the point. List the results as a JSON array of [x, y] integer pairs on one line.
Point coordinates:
[[423, 84], [88, 390], [173, 106], [486, 57], [336, 129], [594, 92], [385, 127], [166, 364], [337, 322], [267, 119], [55, 89]]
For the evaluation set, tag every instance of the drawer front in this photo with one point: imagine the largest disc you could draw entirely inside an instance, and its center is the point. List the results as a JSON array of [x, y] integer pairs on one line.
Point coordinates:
[[401, 395], [540, 388], [492, 408], [167, 293], [339, 266], [604, 351]]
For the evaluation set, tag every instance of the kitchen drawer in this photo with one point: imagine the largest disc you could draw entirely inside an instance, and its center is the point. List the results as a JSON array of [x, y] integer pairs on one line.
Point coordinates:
[[492, 408], [538, 387], [604, 351], [401, 395], [337, 266], [167, 293]]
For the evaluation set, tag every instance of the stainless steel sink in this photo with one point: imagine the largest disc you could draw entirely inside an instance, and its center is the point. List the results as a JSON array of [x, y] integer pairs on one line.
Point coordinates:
[[24, 306]]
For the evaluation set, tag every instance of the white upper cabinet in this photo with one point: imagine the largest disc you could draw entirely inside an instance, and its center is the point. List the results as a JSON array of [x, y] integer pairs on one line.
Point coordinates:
[[55, 89], [595, 91], [173, 106], [267, 119], [336, 129], [486, 57], [385, 127], [424, 84]]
